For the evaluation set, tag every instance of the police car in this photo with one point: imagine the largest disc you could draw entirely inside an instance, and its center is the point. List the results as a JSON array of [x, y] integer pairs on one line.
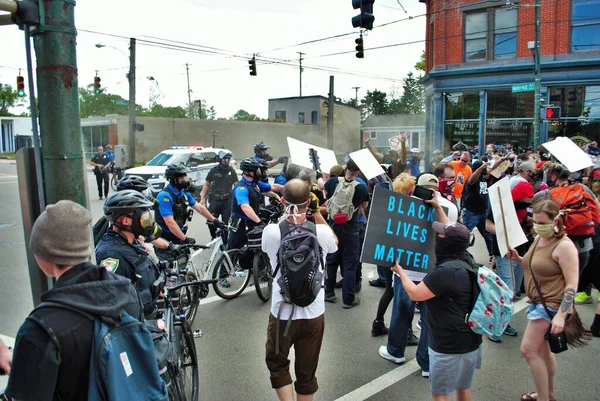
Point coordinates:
[[199, 159]]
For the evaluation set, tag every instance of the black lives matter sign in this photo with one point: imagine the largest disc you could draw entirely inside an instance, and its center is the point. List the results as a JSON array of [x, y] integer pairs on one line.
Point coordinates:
[[400, 227]]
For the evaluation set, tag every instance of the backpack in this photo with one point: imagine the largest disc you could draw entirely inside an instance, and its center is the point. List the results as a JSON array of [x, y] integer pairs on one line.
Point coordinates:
[[123, 364], [299, 258], [579, 209], [340, 204], [99, 230], [493, 304]]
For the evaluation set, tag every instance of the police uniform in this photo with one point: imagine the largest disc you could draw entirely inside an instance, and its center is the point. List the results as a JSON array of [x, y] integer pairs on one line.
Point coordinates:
[[118, 256], [101, 173], [221, 180], [173, 202], [244, 192]]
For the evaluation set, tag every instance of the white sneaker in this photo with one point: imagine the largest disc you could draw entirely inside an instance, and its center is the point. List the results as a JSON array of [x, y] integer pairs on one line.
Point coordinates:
[[424, 374], [383, 352]]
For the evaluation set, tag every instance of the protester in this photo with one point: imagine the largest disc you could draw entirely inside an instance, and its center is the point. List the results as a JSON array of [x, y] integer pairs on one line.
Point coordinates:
[[553, 260], [436, 159], [305, 331], [397, 163], [447, 179], [526, 173], [591, 273], [432, 182], [414, 162], [462, 171], [454, 349], [475, 202]]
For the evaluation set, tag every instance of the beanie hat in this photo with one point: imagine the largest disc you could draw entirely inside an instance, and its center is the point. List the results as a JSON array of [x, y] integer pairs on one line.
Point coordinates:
[[62, 234]]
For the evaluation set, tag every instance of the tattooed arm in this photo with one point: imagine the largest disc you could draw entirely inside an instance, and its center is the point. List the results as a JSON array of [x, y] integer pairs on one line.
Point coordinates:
[[566, 256]]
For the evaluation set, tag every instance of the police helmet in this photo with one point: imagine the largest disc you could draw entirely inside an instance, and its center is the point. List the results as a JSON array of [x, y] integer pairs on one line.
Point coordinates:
[[176, 170], [225, 155], [134, 182], [250, 164], [260, 146], [123, 203]]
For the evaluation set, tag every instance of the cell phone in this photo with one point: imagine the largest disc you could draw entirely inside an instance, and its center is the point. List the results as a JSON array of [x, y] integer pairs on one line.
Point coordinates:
[[423, 193]]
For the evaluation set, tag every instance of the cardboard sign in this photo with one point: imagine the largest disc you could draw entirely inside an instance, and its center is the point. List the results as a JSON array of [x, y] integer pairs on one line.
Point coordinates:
[[399, 227], [497, 172], [367, 163], [569, 154], [508, 228], [300, 154]]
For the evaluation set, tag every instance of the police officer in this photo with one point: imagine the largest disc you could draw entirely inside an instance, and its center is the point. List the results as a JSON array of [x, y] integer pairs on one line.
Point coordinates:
[[173, 201], [101, 163], [111, 156], [260, 153], [130, 216], [218, 185], [245, 204]]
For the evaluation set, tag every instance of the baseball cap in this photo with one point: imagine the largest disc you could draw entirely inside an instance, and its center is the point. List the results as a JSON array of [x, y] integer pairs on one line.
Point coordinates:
[[452, 230], [521, 191], [415, 150], [527, 166], [596, 175], [336, 170], [428, 180]]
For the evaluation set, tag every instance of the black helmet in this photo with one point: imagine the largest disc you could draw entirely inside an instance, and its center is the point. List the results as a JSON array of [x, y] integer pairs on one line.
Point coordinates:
[[260, 146], [225, 155], [123, 203], [250, 164], [134, 182], [176, 170]]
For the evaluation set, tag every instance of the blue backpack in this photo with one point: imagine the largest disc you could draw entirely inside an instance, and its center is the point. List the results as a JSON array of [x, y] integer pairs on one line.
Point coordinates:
[[123, 363], [493, 307]]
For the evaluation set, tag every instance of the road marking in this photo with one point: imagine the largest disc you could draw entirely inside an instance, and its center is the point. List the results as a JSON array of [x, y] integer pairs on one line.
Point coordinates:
[[394, 376], [2, 175]]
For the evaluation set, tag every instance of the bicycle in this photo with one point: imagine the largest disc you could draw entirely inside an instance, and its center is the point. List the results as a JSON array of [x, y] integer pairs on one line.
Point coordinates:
[[118, 173], [181, 373]]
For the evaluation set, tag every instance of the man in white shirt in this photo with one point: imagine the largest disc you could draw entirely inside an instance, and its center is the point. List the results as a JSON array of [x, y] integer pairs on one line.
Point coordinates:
[[431, 182], [305, 331], [526, 174]]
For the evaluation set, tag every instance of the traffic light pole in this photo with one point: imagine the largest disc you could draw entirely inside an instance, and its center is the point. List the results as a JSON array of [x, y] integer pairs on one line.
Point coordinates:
[[131, 78], [538, 79], [330, 111]]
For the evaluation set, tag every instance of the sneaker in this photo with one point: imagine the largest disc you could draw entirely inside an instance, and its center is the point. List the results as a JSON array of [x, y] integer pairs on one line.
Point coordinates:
[[224, 283], [583, 298], [495, 339], [379, 329], [383, 352], [339, 284], [424, 374], [412, 339], [330, 297], [510, 331], [419, 324], [354, 303], [377, 283]]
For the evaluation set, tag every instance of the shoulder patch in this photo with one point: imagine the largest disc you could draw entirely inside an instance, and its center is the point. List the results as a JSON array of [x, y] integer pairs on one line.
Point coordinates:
[[110, 264], [242, 188], [166, 199]]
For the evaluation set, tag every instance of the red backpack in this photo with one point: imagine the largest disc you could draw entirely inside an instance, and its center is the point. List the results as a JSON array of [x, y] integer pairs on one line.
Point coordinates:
[[579, 208]]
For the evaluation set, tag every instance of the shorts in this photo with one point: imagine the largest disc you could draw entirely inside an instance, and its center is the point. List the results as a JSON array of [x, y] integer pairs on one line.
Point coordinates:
[[537, 311], [306, 335], [450, 372]]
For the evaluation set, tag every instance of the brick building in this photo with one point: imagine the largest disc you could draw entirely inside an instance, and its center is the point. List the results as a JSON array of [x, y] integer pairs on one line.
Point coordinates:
[[476, 50]]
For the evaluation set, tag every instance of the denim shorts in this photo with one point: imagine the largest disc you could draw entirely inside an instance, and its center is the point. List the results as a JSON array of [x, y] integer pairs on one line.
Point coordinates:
[[450, 372], [537, 311]]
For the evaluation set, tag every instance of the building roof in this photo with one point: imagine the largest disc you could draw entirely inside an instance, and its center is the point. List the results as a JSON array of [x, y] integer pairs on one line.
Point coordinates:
[[313, 97], [395, 120]]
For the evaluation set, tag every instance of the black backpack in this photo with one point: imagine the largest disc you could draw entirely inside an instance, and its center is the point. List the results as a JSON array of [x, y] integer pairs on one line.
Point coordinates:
[[299, 258], [99, 229]]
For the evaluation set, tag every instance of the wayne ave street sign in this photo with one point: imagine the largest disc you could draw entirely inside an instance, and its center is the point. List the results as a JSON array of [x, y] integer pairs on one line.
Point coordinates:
[[522, 88]]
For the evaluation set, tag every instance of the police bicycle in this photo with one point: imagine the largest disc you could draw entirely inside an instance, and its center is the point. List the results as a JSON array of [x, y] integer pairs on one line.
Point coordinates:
[[118, 173]]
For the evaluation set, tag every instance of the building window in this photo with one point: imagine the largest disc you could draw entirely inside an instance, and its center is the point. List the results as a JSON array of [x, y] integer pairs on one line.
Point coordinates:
[[585, 25], [373, 135], [431, 45], [314, 117], [414, 140], [301, 118], [280, 115], [494, 29]]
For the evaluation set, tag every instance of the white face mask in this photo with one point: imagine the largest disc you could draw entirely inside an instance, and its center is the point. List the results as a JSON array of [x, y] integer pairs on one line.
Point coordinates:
[[291, 210]]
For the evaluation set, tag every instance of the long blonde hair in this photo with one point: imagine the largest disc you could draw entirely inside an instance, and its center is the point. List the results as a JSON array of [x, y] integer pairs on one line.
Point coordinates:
[[404, 184]]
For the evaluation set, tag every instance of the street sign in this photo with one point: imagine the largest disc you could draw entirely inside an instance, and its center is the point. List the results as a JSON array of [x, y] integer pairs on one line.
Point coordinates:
[[523, 88]]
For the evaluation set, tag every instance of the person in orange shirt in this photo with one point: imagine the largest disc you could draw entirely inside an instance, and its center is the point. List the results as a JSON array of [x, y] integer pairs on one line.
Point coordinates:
[[462, 170]]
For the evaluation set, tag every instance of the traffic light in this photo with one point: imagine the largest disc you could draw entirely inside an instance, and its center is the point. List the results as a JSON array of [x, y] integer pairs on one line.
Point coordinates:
[[252, 66], [20, 86], [366, 18], [552, 113], [97, 86], [360, 50]]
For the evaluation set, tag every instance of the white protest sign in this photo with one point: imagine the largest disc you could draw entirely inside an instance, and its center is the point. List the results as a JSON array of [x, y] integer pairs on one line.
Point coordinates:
[[568, 153], [367, 163], [299, 152], [508, 228], [394, 143]]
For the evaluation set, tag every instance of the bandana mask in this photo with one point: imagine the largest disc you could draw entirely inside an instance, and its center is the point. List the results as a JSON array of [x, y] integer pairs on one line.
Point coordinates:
[[291, 210]]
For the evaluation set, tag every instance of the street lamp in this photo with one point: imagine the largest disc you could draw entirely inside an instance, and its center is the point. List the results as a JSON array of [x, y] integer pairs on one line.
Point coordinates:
[[214, 137], [100, 46]]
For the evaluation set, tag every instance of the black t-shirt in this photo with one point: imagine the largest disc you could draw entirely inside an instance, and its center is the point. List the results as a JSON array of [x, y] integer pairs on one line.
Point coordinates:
[[446, 312], [475, 197], [495, 248], [221, 180], [361, 193], [100, 159]]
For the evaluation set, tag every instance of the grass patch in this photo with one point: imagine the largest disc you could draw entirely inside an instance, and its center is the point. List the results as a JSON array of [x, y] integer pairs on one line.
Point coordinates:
[[11, 156]]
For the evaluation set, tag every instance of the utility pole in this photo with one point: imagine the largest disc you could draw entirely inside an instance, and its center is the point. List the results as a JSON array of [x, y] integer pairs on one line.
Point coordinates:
[[132, 124], [187, 71], [330, 114], [538, 78], [301, 71], [356, 88]]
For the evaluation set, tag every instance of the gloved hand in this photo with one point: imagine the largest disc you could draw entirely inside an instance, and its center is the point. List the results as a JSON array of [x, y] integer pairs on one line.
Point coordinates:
[[282, 159], [319, 175], [190, 241], [218, 224], [175, 249]]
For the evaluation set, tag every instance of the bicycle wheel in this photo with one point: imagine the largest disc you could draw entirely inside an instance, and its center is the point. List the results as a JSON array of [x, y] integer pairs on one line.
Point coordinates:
[[113, 182], [263, 279], [189, 298], [232, 278], [187, 377]]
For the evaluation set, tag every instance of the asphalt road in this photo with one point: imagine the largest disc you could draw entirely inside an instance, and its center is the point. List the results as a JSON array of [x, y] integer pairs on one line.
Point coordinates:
[[231, 353]]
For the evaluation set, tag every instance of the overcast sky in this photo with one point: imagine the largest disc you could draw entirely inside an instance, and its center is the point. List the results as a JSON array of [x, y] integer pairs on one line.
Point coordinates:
[[240, 27]]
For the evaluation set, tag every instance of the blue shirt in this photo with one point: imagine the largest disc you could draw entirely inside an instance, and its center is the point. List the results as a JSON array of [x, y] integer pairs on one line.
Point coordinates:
[[281, 180], [362, 218], [165, 202], [110, 155], [240, 194], [414, 165]]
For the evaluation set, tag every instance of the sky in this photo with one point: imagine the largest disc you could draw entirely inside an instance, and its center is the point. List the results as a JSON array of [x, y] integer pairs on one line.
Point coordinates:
[[238, 29]]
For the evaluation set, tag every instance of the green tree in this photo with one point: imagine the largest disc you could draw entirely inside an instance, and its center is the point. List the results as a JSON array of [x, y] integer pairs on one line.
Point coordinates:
[[9, 98], [158, 110], [374, 103], [92, 104], [243, 115], [420, 65], [412, 101], [199, 109]]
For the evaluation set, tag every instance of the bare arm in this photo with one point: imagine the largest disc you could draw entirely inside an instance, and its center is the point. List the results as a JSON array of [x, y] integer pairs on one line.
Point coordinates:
[[490, 227], [378, 156], [273, 195], [276, 187], [248, 211], [440, 215], [448, 159], [567, 257], [473, 178], [403, 156], [160, 243], [273, 163], [205, 188], [417, 292], [173, 227]]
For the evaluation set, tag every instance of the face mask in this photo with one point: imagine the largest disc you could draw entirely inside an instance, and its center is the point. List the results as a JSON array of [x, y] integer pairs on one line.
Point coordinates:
[[291, 209], [446, 248], [596, 186], [519, 205], [224, 162], [544, 230]]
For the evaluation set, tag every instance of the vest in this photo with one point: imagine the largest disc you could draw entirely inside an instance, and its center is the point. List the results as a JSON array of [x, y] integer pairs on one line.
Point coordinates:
[[180, 209], [253, 197], [221, 184]]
